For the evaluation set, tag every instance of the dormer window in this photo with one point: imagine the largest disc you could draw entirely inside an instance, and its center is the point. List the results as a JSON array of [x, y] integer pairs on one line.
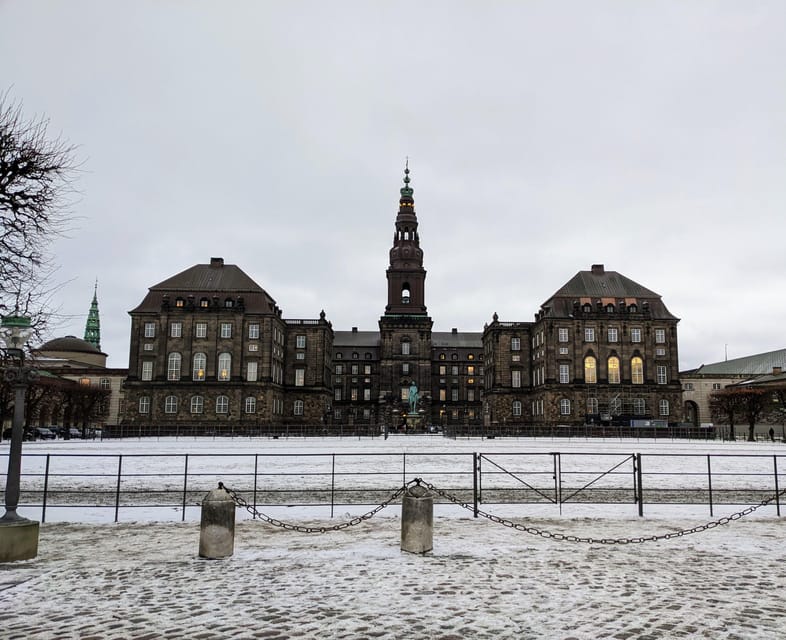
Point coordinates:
[[632, 308], [587, 308], [609, 308], [229, 303], [204, 303], [179, 302]]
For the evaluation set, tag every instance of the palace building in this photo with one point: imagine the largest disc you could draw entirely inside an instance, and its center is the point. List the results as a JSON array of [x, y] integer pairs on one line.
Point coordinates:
[[209, 346]]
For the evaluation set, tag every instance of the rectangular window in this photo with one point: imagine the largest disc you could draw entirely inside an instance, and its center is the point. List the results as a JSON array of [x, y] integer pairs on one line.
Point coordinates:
[[663, 407], [298, 408], [660, 351], [516, 408], [176, 330], [562, 335], [564, 407], [563, 351], [366, 369], [613, 335], [339, 369], [148, 346], [515, 379], [170, 404], [405, 368], [366, 394], [688, 386], [337, 395], [443, 370], [405, 348], [470, 395], [251, 371], [515, 344], [353, 394], [443, 395], [251, 405], [454, 370], [150, 329], [197, 404], [355, 369], [564, 374], [226, 330], [515, 358], [639, 406], [300, 377], [253, 331], [253, 347], [105, 384], [300, 342], [147, 370], [715, 386], [660, 373], [660, 336], [300, 355], [635, 335], [589, 334], [454, 394], [470, 370], [144, 404]]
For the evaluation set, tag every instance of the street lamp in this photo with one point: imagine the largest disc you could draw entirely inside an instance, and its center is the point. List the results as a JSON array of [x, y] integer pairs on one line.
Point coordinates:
[[18, 535]]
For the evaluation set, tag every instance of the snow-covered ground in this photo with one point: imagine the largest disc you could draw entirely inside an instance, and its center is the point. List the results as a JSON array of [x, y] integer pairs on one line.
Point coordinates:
[[482, 580]]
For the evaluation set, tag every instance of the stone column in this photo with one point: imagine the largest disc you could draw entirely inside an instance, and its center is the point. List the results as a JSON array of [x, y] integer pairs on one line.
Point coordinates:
[[417, 520], [217, 530]]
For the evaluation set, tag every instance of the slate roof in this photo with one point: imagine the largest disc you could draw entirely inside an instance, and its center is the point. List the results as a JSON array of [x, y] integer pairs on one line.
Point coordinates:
[[458, 340], [759, 364], [215, 278], [355, 339]]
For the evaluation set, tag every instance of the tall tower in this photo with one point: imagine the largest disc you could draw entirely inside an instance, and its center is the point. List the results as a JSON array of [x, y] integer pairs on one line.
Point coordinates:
[[405, 327], [93, 324]]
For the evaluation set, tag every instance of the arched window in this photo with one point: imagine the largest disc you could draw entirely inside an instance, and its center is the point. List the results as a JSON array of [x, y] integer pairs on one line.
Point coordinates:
[[405, 293], [222, 404], [251, 404], [170, 404], [590, 370], [204, 303], [614, 370], [224, 365], [587, 308], [609, 308], [173, 366], [200, 364], [229, 303], [405, 347], [516, 409], [637, 370], [298, 408], [632, 308], [197, 404]]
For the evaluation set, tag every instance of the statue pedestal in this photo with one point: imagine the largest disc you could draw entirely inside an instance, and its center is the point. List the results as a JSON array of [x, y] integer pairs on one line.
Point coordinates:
[[18, 540]]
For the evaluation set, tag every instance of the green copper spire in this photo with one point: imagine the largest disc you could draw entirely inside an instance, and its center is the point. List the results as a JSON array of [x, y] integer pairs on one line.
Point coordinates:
[[406, 190], [93, 324]]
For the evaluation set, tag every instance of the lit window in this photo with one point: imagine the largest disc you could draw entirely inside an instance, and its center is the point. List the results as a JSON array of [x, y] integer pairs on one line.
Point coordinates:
[[637, 370], [613, 334], [635, 335], [590, 370], [204, 303], [443, 370], [179, 302], [226, 329], [614, 370], [200, 330], [300, 377], [353, 394], [224, 366], [147, 370], [200, 364], [564, 407], [562, 334], [251, 370], [663, 407], [150, 329], [251, 405], [176, 330], [470, 370], [253, 331], [516, 408], [441, 356], [592, 405], [660, 336], [442, 395], [300, 342], [222, 404], [173, 367], [564, 374], [589, 334], [170, 404], [471, 356], [253, 346], [85, 382], [298, 408], [660, 374], [197, 404], [515, 344]]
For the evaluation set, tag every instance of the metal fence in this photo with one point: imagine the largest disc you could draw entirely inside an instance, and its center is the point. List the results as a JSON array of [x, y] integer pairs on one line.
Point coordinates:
[[172, 485]]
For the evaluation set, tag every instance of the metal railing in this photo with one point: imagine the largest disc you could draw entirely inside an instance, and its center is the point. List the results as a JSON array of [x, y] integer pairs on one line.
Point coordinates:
[[137, 483]]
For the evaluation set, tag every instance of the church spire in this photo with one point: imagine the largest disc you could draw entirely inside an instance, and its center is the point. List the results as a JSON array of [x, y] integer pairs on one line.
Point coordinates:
[[93, 324]]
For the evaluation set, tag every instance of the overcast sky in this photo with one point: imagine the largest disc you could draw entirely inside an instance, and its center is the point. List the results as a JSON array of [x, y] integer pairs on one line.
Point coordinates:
[[543, 137]]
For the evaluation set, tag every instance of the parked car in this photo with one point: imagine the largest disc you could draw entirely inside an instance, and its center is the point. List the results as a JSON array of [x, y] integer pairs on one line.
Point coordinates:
[[44, 434], [27, 434], [74, 433]]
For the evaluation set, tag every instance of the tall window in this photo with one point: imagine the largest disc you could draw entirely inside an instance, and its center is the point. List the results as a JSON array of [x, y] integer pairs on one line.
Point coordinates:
[[200, 364], [562, 334], [405, 368], [253, 331], [515, 379], [635, 335], [200, 330], [454, 394], [637, 370], [592, 405], [405, 348], [470, 370], [516, 409], [660, 336], [366, 394], [454, 370], [150, 329], [176, 330], [144, 404], [564, 374], [197, 404], [470, 395], [589, 334], [613, 334], [663, 407], [170, 404], [614, 370], [298, 408], [251, 405], [564, 407], [337, 394], [300, 342], [339, 369], [660, 373], [173, 367], [442, 395], [226, 330], [251, 370], [639, 406], [224, 366], [515, 344], [222, 404], [147, 370], [590, 370], [300, 377]]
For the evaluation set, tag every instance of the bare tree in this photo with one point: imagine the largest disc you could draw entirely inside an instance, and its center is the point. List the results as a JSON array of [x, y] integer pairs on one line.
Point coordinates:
[[748, 402], [36, 194]]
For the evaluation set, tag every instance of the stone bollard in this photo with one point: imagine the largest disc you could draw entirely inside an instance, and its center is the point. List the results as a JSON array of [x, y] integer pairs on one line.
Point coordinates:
[[417, 520], [217, 531]]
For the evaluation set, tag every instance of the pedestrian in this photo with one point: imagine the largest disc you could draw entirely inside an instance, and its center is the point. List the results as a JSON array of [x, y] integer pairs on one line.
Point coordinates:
[[772, 434]]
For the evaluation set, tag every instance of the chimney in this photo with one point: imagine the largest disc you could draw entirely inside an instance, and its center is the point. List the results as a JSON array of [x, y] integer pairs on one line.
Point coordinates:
[[598, 270], [454, 331], [354, 329], [216, 262]]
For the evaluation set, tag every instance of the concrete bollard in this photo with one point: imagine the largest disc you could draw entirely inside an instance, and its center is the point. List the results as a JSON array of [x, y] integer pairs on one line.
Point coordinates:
[[217, 531], [417, 520]]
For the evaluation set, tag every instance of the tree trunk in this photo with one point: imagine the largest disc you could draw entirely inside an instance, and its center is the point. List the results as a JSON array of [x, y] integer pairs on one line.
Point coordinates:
[[750, 432]]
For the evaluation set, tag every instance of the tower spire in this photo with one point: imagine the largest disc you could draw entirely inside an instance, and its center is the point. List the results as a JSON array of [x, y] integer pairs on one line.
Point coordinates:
[[93, 324]]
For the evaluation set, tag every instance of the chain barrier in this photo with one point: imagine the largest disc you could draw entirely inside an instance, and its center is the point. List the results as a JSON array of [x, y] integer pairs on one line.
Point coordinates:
[[561, 537], [550, 535], [256, 514]]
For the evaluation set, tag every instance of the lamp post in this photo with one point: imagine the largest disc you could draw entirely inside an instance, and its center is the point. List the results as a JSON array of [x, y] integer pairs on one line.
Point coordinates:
[[18, 535]]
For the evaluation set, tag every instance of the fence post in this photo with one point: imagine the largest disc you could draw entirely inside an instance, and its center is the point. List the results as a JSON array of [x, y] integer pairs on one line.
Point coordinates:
[[185, 488], [46, 488], [117, 491], [777, 491], [332, 483], [475, 474], [709, 481], [404, 468], [256, 475], [641, 486], [557, 480]]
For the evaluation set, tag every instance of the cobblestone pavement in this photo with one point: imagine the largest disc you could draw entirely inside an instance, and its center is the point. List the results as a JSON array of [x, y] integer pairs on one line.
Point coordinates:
[[144, 581]]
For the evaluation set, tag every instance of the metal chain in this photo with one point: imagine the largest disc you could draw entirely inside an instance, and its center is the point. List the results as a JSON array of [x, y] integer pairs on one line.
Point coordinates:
[[561, 537], [240, 502]]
